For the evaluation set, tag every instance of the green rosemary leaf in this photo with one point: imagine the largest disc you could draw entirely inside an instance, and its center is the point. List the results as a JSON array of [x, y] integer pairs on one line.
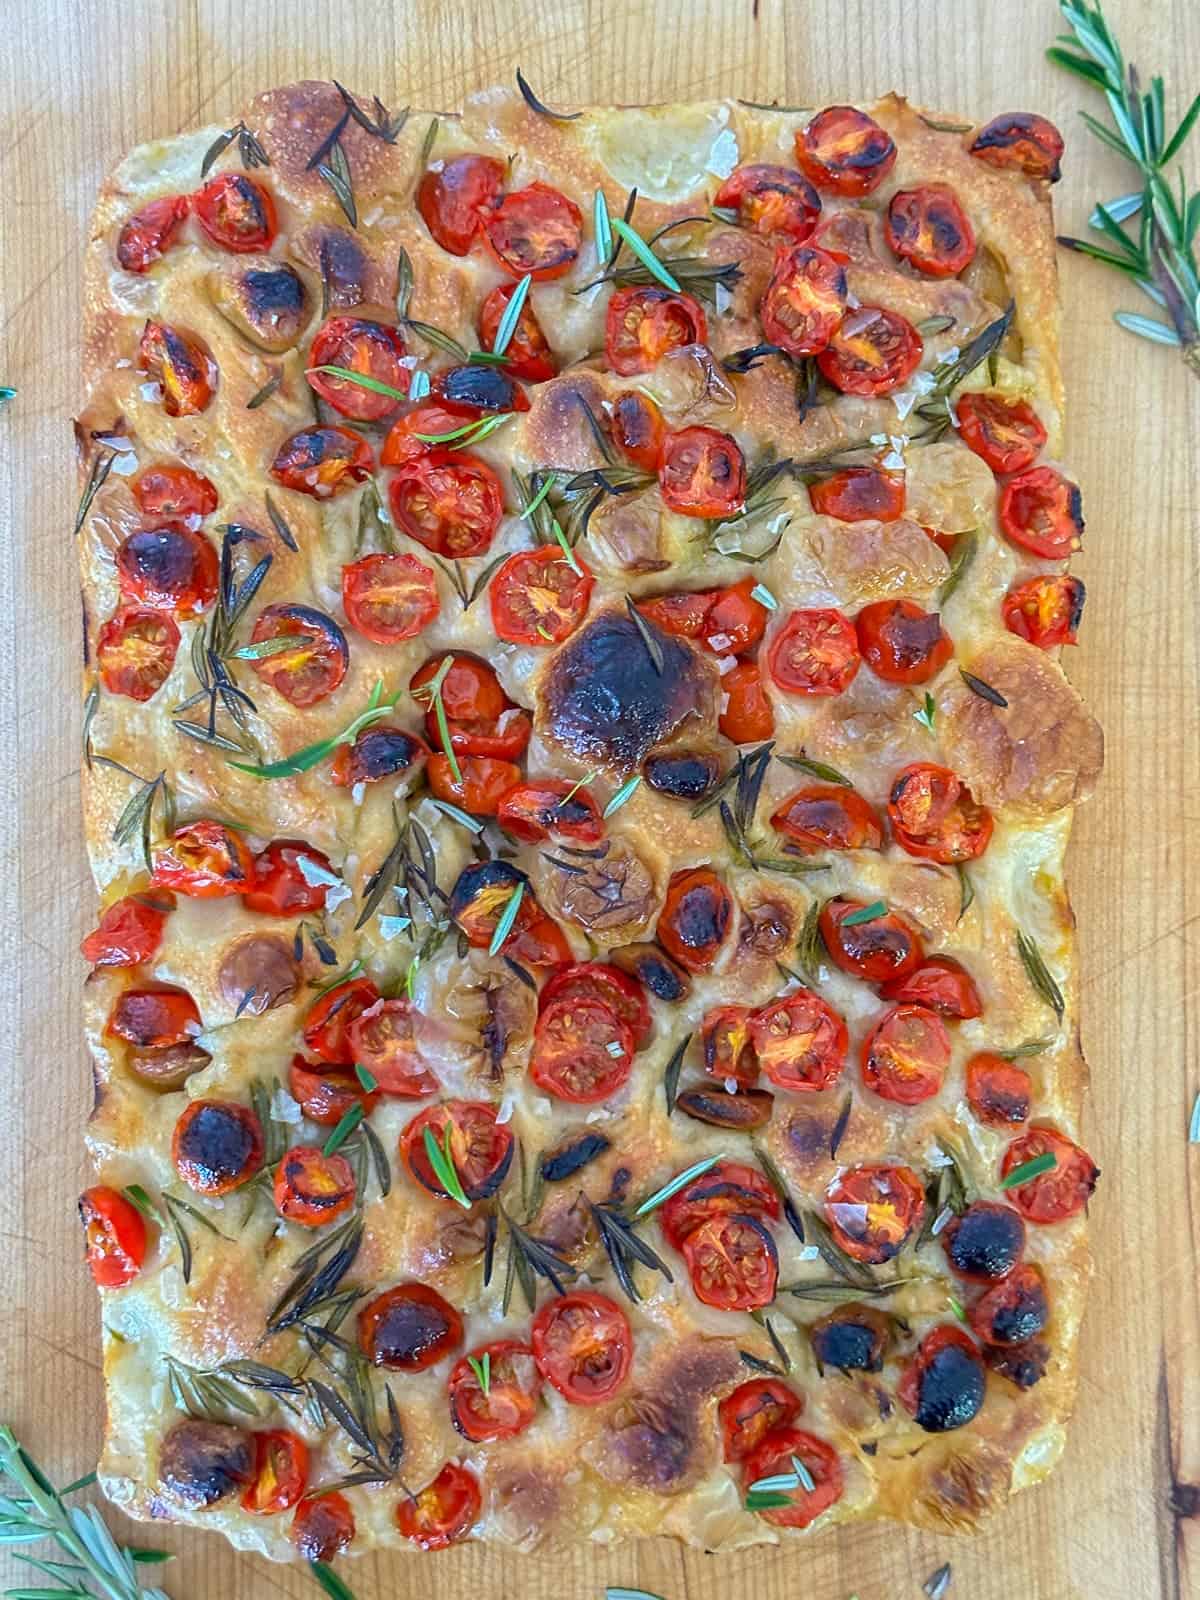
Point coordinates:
[[624, 793], [648, 636], [261, 396], [983, 690], [1028, 1047], [313, 754], [966, 891], [482, 1368], [1040, 977], [91, 705], [678, 1182], [1194, 1122], [438, 339], [470, 433], [671, 1073], [427, 144], [363, 379], [644, 254], [507, 917], [602, 226], [507, 325], [816, 769], [1146, 327], [534, 104], [871, 913], [330, 1581], [963, 554], [1030, 1169], [280, 525], [928, 712], [336, 173], [344, 1129], [97, 477]]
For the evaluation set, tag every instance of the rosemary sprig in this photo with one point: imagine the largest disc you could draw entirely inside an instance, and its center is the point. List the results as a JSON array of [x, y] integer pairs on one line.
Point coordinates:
[[429, 697], [1040, 977], [927, 714], [312, 755], [316, 1274], [1033, 1168], [137, 817], [816, 769], [250, 151], [213, 649], [174, 1210], [102, 465], [528, 1260], [625, 1247], [441, 1159], [208, 1395]]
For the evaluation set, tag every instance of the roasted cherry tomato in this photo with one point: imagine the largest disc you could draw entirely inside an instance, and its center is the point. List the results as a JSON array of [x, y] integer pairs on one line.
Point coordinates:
[[384, 1043], [114, 1236], [643, 324], [452, 199], [378, 752], [1045, 611], [859, 494], [280, 1472], [535, 230], [540, 943], [326, 1028], [726, 1045], [999, 1092], [216, 1146], [181, 365], [480, 895], [323, 1526], [742, 1111], [154, 1019], [135, 651], [682, 614], [312, 667], [1060, 1191], [449, 501], [583, 1345], [905, 1055], [1041, 511], [733, 1262], [528, 354], [508, 1403], [943, 1384], [801, 1042], [985, 1243], [441, 1512], [770, 200], [481, 1149], [148, 234], [539, 596], [130, 931], [1019, 141], [408, 438], [881, 948], [325, 1094], [278, 887], [322, 461], [312, 1188], [1015, 1310], [854, 1338], [828, 816], [805, 300], [370, 348], [173, 493], [901, 643], [236, 212], [747, 716], [752, 1411], [873, 352], [1007, 434], [736, 621], [928, 228], [845, 151], [638, 429], [550, 808], [654, 968], [596, 980], [814, 653], [408, 1328], [729, 1188], [482, 783], [389, 598], [702, 473], [773, 1456], [582, 1051], [942, 984], [873, 1209], [204, 860], [472, 699], [696, 918], [477, 389], [934, 815], [168, 569]]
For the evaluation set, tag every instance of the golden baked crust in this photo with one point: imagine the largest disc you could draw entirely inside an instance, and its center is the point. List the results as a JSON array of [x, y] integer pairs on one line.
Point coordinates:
[[650, 1460]]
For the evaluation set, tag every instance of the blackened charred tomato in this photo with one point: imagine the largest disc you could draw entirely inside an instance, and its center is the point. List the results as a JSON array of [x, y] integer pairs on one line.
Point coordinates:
[[643, 324], [236, 212], [266, 303], [854, 1338], [114, 1236], [443, 1511], [726, 1046], [535, 230], [480, 1148], [280, 1472], [371, 349], [905, 1055], [873, 1209], [181, 365], [480, 895], [934, 815], [638, 429], [146, 236], [204, 860], [383, 1040], [878, 949], [684, 774], [482, 719], [1020, 141], [583, 1345], [312, 1188], [449, 501], [202, 1463], [325, 1094], [942, 984], [408, 1328], [752, 1411], [323, 1526], [582, 1051], [696, 918], [326, 1028], [928, 228], [453, 197], [378, 752], [135, 651], [859, 494], [805, 300], [278, 885], [216, 1146], [664, 978], [389, 598], [507, 1404], [168, 569], [729, 1188], [550, 808], [702, 473], [315, 660], [999, 1092], [129, 932], [154, 1019], [747, 716], [733, 1262], [801, 1042], [845, 151], [322, 462], [173, 493], [815, 652], [1014, 1311], [828, 816], [1041, 511], [770, 200], [873, 352], [539, 597], [901, 643], [478, 786], [1007, 434], [942, 1386], [528, 352], [478, 389], [985, 1243], [822, 1465], [1045, 611], [1059, 1191]]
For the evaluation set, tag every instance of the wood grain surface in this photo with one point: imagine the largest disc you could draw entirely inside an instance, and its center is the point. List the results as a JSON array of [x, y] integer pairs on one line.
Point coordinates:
[[83, 80]]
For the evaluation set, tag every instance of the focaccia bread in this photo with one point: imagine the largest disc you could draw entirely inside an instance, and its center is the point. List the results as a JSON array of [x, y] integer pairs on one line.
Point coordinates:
[[572, 611]]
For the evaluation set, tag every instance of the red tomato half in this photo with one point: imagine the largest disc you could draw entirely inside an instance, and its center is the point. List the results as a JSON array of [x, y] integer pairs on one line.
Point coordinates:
[[583, 1345], [481, 787], [643, 324], [1059, 1192], [538, 596], [322, 461], [999, 1092], [1007, 434], [845, 151], [814, 653], [942, 984], [312, 1188], [528, 352], [379, 752], [313, 666], [453, 198], [449, 501], [1019, 141], [408, 1328], [146, 236], [800, 1041], [752, 1411], [204, 860], [905, 1055], [873, 1209], [550, 808], [726, 1045], [173, 493], [326, 1028], [535, 230], [114, 1236], [279, 887], [769, 200], [884, 947], [1041, 511], [859, 494], [323, 1526], [480, 1147], [747, 717], [681, 614], [509, 1403], [702, 473], [582, 1051], [828, 816], [805, 300], [901, 643], [928, 228], [135, 651], [181, 364], [236, 212], [696, 918], [873, 352], [596, 980], [130, 931], [383, 1041], [154, 1019], [728, 1188], [821, 1462], [1045, 611], [280, 1473], [389, 598], [370, 348], [408, 437], [934, 815], [638, 429], [1012, 1311], [325, 1094], [168, 569], [216, 1146], [732, 1261], [735, 621], [441, 1512]]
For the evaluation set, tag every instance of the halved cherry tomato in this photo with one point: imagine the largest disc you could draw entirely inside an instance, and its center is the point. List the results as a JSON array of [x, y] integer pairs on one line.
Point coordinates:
[[1007, 434], [477, 389], [773, 1456], [378, 752], [1041, 511], [236, 212], [326, 1028], [729, 1188], [943, 1384], [747, 716], [539, 596], [484, 782], [323, 1526], [325, 1094], [408, 438], [815, 652], [148, 234], [480, 895], [845, 151], [801, 1042], [805, 300], [322, 461], [859, 494], [873, 352], [928, 228], [173, 493], [770, 199], [733, 1262], [735, 621], [442, 1511], [278, 887], [181, 365], [312, 1188], [470, 694], [984, 1244], [583, 1345], [901, 643], [370, 348], [828, 816], [154, 1019], [873, 1209], [130, 931], [528, 353], [942, 984], [509, 1403], [752, 1411], [311, 669], [204, 860], [934, 815], [550, 808], [383, 1041], [1020, 141], [727, 1046], [582, 1051], [135, 651], [535, 230], [643, 324], [389, 598], [905, 1055], [638, 429], [481, 1148], [449, 501], [1013, 1311], [883, 947], [681, 614], [114, 1236], [540, 943], [1059, 1192], [1045, 611], [597, 980], [168, 569], [999, 1092], [408, 1328], [216, 1146], [696, 918], [702, 473], [453, 198]]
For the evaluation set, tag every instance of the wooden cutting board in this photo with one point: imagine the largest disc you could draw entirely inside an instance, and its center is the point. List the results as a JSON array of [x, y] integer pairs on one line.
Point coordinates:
[[83, 80]]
